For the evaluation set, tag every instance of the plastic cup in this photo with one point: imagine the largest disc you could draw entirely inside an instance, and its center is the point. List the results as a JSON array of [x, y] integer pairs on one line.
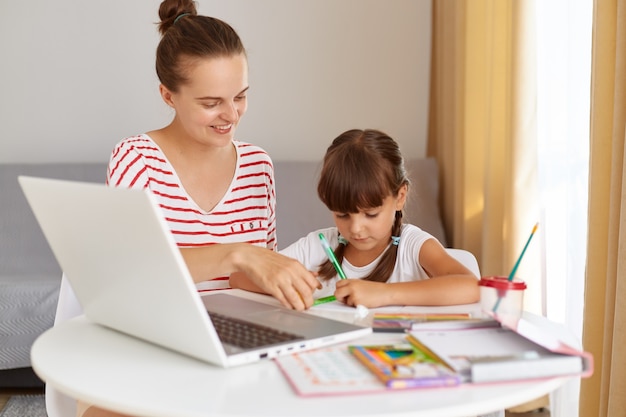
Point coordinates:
[[500, 296]]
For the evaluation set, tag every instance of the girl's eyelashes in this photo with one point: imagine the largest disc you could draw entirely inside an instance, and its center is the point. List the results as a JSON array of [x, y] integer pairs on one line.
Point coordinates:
[[370, 214]]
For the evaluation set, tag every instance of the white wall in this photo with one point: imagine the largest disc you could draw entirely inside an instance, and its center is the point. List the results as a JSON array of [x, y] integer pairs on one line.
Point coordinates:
[[76, 76]]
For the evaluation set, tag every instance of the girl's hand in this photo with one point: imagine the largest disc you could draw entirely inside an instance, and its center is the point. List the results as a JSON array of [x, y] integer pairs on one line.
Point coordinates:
[[355, 292]]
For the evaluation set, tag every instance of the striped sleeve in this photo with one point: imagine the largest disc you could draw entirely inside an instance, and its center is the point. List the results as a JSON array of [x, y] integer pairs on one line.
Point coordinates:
[[128, 166]]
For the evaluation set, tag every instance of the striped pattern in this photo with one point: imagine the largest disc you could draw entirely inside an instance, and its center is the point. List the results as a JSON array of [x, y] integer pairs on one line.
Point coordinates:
[[27, 309], [246, 213]]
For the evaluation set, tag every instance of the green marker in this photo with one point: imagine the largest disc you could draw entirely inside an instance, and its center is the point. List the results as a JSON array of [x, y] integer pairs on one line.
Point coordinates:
[[333, 260], [331, 256], [324, 300]]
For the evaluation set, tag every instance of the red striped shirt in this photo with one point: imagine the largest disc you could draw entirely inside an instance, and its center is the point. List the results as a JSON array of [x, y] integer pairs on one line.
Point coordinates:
[[246, 212]]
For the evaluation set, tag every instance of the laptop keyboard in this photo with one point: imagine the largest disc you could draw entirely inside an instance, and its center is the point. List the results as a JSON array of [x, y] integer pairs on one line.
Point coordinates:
[[247, 335]]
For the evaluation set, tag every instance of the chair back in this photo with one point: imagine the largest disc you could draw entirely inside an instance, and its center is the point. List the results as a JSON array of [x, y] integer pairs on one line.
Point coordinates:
[[467, 258]]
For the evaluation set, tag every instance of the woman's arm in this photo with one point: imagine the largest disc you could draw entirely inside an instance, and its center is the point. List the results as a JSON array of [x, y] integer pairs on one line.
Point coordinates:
[[263, 270]]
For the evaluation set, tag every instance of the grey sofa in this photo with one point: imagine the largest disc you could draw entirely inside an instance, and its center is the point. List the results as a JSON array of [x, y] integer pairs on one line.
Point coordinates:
[[30, 276]]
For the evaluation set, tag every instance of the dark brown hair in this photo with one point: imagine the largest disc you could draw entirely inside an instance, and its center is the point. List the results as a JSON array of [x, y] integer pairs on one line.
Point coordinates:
[[361, 169], [186, 37]]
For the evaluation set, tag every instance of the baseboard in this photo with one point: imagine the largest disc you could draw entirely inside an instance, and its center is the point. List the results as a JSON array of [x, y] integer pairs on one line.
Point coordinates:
[[20, 378]]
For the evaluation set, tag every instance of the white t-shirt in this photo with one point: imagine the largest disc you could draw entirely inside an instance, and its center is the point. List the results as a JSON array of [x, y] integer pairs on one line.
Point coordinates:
[[309, 251]]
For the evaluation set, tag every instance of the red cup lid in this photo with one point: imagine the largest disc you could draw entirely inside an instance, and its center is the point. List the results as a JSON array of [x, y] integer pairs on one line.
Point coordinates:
[[502, 283]]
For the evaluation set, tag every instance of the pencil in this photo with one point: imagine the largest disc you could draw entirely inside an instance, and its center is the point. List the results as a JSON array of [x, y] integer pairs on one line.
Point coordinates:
[[514, 270]]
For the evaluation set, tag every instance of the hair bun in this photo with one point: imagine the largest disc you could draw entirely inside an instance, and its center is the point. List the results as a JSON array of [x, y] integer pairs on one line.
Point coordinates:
[[170, 11]]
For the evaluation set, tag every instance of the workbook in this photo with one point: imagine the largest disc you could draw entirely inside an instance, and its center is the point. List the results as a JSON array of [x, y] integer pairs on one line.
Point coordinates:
[[330, 370], [341, 370], [403, 365], [493, 354]]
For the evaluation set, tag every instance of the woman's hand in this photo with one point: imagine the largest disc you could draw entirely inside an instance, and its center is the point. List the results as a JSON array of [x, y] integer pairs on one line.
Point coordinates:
[[284, 278], [254, 268]]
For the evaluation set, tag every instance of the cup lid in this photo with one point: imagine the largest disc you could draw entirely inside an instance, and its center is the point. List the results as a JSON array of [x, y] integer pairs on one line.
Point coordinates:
[[502, 283]]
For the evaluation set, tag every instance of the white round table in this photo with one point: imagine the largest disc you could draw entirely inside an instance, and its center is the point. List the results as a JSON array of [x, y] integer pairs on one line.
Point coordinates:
[[114, 371]]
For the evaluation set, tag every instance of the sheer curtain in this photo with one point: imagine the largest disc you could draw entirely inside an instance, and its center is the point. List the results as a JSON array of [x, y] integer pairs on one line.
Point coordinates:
[[482, 129], [563, 105], [509, 125]]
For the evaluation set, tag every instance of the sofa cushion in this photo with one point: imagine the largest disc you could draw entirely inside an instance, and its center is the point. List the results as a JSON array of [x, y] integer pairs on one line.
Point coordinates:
[[422, 208], [23, 248]]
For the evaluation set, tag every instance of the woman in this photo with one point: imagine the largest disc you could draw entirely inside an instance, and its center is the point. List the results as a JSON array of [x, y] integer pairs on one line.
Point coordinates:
[[217, 194]]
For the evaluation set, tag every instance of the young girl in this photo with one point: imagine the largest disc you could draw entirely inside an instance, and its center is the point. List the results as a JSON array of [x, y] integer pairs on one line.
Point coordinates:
[[364, 184]]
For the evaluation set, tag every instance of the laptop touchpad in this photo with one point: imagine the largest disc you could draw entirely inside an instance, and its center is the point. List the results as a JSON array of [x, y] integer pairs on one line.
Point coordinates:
[[285, 319]]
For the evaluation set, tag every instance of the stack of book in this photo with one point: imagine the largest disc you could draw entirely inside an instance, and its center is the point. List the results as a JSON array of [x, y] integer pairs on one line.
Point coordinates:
[[403, 322], [440, 356]]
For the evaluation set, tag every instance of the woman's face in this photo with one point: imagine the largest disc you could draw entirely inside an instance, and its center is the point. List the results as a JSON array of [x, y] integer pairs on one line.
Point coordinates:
[[210, 105]]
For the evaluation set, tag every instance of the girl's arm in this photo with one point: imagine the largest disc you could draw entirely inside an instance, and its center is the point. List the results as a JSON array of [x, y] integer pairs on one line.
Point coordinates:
[[450, 283]]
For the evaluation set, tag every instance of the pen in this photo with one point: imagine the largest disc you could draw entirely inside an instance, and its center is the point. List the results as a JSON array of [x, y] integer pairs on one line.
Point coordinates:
[[331, 256]]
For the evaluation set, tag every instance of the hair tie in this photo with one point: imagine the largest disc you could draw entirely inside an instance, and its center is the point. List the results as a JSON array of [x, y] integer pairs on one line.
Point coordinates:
[[342, 240], [395, 240], [179, 16]]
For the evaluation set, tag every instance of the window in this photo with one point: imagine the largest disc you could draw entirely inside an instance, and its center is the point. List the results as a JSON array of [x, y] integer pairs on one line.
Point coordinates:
[[564, 29]]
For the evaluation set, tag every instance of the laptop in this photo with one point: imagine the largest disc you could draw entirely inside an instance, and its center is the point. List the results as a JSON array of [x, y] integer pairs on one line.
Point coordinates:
[[123, 264]]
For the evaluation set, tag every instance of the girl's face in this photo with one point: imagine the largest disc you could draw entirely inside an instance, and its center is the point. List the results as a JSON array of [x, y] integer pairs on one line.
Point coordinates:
[[370, 229], [209, 106]]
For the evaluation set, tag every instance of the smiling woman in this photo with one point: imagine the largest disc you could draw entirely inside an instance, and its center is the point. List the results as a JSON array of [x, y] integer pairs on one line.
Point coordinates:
[[217, 194]]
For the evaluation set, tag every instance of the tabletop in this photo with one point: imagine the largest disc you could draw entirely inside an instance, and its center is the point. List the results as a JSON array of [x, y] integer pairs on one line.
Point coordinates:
[[115, 371]]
